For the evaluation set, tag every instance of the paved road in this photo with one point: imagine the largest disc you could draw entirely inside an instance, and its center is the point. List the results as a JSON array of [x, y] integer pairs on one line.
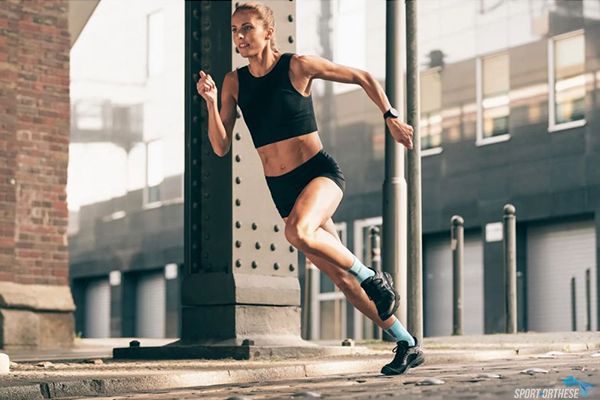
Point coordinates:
[[500, 379]]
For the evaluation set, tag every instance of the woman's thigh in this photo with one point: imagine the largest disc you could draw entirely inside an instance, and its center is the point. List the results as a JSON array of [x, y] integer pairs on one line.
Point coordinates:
[[316, 203]]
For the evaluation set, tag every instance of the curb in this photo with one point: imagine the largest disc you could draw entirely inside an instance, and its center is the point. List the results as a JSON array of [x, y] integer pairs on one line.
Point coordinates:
[[116, 382]]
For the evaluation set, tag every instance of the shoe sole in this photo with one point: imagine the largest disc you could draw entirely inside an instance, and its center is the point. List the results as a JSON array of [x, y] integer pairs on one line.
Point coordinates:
[[396, 305], [420, 359]]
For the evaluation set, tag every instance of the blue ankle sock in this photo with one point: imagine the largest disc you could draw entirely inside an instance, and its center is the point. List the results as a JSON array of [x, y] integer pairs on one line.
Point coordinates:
[[360, 271], [398, 332]]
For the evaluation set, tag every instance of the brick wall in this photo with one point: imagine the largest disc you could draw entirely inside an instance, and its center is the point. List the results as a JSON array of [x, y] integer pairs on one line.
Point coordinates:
[[34, 141]]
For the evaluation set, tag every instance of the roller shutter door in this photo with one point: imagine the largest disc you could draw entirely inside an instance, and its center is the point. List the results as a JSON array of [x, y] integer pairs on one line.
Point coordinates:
[[151, 306], [97, 309], [438, 286], [556, 253]]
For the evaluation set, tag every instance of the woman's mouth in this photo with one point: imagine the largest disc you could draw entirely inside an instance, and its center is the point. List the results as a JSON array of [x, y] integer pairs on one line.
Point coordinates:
[[243, 45]]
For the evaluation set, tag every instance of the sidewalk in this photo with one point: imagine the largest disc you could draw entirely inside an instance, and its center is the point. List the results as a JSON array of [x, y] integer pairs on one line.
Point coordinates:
[[88, 370]]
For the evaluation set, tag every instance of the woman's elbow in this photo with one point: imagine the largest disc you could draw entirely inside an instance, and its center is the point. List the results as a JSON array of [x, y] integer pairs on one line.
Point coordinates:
[[221, 151]]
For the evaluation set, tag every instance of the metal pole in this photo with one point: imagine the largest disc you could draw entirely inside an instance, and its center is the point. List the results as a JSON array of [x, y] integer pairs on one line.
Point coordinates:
[[510, 266], [588, 300], [415, 262], [573, 305], [394, 184], [457, 243], [307, 311], [376, 265]]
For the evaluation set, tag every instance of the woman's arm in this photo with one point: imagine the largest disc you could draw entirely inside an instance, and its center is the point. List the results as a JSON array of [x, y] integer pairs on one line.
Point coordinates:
[[220, 124], [313, 67]]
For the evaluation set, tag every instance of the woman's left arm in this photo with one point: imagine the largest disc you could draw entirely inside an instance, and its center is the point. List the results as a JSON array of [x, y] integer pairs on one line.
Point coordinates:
[[316, 67]]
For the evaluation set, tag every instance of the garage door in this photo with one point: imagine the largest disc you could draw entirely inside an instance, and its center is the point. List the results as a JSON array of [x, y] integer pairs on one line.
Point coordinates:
[[557, 253], [97, 309], [151, 306], [437, 267]]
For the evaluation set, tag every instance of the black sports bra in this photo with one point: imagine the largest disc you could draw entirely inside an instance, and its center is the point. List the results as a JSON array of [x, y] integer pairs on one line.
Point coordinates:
[[273, 109]]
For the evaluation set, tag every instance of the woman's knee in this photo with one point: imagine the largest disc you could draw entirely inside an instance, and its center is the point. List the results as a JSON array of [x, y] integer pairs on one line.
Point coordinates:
[[299, 234]]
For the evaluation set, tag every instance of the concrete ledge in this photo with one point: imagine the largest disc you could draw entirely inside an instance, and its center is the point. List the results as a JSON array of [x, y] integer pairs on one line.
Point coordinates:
[[36, 297]]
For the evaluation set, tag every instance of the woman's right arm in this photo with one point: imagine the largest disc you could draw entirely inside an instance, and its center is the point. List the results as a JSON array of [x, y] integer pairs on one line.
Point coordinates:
[[220, 124]]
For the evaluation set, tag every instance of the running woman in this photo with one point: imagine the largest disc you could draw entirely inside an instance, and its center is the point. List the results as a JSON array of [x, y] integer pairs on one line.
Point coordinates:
[[306, 184]]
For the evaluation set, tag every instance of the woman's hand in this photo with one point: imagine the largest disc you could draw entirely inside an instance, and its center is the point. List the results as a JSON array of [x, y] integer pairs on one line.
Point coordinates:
[[207, 88], [401, 132]]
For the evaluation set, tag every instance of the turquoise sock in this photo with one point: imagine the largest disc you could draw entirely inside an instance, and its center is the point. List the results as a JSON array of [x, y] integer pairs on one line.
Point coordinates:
[[398, 332], [360, 271]]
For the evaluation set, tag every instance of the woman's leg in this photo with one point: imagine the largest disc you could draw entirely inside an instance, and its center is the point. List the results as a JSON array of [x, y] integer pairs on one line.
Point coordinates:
[[347, 283], [313, 208]]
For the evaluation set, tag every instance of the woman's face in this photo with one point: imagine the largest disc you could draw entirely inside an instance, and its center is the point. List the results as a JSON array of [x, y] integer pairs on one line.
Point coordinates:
[[248, 33]]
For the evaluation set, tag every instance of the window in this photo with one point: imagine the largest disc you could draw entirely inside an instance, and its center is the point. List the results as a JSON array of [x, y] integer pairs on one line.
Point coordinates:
[[492, 98], [566, 81], [431, 107], [156, 43]]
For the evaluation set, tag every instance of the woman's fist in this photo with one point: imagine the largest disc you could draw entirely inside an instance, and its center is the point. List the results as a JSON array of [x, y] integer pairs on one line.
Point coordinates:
[[207, 88]]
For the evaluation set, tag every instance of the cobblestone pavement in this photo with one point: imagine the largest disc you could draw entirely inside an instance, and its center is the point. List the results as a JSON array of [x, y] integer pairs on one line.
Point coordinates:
[[500, 379]]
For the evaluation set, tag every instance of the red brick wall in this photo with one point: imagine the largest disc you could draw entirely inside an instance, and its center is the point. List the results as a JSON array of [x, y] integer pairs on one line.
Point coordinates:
[[34, 141]]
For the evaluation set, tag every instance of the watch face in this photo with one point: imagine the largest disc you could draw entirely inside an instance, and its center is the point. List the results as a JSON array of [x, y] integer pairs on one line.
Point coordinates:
[[394, 112]]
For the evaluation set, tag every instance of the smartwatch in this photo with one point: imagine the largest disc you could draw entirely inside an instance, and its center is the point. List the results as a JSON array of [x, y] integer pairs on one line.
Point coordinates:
[[391, 113]]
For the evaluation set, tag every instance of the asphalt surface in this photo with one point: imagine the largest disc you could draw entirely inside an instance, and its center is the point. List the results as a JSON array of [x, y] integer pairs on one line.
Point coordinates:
[[517, 377]]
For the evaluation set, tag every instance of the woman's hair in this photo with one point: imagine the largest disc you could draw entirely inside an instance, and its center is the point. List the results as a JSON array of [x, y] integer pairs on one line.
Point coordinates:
[[263, 13]]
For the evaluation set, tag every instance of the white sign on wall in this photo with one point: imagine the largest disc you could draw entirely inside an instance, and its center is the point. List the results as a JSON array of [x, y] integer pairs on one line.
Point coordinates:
[[493, 232]]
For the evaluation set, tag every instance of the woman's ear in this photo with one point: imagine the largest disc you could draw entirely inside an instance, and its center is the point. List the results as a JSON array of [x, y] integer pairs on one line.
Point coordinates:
[[270, 33]]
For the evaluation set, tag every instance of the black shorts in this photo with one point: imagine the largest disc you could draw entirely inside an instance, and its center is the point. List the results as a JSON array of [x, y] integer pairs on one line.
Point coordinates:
[[286, 188]]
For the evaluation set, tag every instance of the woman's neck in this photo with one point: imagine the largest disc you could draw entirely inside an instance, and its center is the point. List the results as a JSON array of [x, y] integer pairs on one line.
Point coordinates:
[[262, 64]]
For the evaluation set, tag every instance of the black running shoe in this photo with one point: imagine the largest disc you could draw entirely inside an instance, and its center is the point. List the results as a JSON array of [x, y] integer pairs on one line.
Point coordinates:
[[406, 357], [380, 289]]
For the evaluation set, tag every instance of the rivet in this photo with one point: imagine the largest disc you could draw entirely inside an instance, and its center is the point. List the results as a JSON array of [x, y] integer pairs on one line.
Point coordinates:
[[194, 183], [291, 249], [195, 140], [291, 18], [238, 136], [196, 98], [194, 227], [206, 236], [292, 267], [276, 228], [291, 39], [273, 247], [195, 205], [238, 158], [238, 263], [206, 195], [257, 245], [254, 264], [194, 246], [195, 120], [238, 224], [238, 180], [238, 202], [194, 161], [238, 244], [276, 266], [254, 226], [195, 265]]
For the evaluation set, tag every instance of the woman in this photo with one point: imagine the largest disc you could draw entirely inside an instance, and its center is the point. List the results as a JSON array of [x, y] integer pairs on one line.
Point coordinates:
[[307, 185]]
